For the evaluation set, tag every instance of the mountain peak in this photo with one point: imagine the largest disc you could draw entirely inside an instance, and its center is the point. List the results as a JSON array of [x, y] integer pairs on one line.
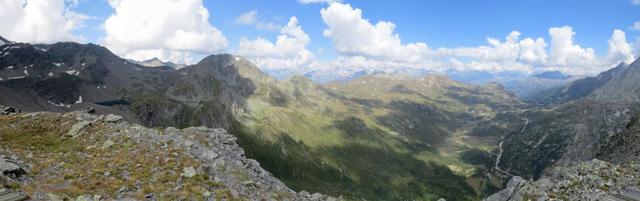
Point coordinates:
[[552, 75], [4, 41]]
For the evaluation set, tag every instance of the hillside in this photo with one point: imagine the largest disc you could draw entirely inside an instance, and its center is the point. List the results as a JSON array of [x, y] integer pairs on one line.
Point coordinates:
[[576, 89], [54, 156], [583, 128]]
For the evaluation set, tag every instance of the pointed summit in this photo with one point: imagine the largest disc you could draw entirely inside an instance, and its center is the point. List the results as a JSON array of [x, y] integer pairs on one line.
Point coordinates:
[[4, 41]]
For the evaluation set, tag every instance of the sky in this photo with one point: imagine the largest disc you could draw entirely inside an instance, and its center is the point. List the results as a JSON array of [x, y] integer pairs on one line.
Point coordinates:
[[341, 37]]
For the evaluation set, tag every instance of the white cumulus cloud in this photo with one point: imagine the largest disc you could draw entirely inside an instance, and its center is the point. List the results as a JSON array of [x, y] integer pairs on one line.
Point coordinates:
[[564, 51], [635, 2], [39, 21], [287, 52], [362, 44], [619, 49], [528, 50], [167, 29], [355, 36]]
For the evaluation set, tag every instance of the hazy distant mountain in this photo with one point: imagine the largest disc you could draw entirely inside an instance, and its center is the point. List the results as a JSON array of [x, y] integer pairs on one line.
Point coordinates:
[[552, 75], [155, 62], [530, 86], [327, 77]]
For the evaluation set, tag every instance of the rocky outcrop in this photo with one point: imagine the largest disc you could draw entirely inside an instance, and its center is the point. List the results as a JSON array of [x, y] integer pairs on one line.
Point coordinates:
[[112, 159], [7, 110], [623, 147], [592, 180]]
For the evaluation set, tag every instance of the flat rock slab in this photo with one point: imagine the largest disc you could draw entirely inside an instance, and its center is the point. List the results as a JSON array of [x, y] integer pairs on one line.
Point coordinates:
[[76, 128]]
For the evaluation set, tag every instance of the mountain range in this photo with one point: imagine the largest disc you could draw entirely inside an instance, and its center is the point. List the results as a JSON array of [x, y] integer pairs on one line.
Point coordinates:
[[375, 136]]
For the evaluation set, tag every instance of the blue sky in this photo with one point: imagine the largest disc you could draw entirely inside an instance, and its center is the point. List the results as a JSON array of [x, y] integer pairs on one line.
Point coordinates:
[[450, 35], [450, 23]]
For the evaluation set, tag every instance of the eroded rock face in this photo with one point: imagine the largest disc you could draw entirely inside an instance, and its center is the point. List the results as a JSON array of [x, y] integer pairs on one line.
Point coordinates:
[[195, 163], [592, 180]]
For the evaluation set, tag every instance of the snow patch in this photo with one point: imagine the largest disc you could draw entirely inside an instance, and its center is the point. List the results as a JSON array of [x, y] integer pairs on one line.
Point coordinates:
[[72, 72], [83, 64], [26, 71], [41, 49], [79, 100], [5, 54], [10, 67], [59, 105], [50, 74], [237, 58], [57, 64], [15, 78]]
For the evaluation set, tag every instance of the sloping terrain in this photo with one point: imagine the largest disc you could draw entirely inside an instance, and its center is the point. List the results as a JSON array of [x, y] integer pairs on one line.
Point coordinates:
[[592, 180], [577, 130], [577, 89], [85, 156], [623, 147]]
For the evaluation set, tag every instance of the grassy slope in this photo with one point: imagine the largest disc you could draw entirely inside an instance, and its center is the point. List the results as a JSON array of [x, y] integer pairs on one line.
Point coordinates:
[[377, 138], [319, 141], [76, 166]]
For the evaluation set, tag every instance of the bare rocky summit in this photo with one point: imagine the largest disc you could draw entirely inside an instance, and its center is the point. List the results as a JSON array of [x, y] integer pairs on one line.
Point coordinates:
[[109, 159]]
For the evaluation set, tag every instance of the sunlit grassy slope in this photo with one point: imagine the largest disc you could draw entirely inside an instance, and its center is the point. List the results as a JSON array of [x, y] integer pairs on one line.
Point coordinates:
[[378, 137]]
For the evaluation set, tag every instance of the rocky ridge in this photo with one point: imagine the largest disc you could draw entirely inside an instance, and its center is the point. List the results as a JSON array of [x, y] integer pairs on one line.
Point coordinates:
[[591, 180], [55, 156]]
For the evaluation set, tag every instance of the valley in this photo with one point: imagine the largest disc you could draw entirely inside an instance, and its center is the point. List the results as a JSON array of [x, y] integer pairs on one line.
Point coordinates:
[[375, 137]]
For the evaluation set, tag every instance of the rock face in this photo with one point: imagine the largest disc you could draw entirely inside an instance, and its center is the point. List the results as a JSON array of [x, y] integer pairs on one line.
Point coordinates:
[[127, 161], [623, 148], [592, 180]]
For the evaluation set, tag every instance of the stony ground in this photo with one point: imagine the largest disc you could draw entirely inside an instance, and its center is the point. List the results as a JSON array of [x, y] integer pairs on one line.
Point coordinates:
[[53, 156], [592, 180]]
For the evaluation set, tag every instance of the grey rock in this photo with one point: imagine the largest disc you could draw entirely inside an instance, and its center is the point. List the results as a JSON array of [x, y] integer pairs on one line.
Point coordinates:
[[11, 168], [76, 128], [107, 144], [112, 118], [53, 197], [84, 198], [188, 172]]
